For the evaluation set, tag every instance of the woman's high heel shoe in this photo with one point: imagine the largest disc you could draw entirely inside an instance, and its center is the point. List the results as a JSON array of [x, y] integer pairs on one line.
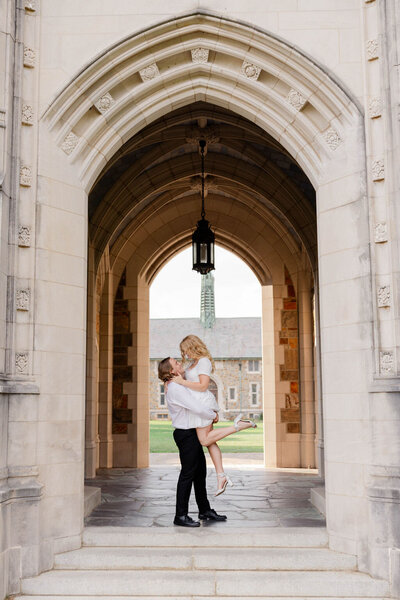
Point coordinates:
[[239, 418], [227, 481]]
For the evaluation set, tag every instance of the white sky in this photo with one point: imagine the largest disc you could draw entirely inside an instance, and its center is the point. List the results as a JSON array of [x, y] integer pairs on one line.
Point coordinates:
[[175, 292]]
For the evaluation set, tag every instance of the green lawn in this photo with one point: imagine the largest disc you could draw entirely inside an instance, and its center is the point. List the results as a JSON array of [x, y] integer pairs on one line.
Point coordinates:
[[250, 440]]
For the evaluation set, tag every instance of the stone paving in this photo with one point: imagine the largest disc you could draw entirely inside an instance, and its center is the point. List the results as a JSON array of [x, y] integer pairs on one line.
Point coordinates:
[[260, 497]]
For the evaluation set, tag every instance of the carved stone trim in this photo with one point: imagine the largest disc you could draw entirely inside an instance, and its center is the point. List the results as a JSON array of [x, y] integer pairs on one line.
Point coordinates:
[[25, 176], [372, 47], [375, 107], [104, 103], [332, 138], [30, 5], [200, 55], [29, 57], [149, 72], [27, 114], [210, 134], [386, 362], [378, 169], [22, 299], [381, 233], [24, 236], [250, 70], [2, 117], [21, 362], [295, 99], [384, 298], [70, 142]]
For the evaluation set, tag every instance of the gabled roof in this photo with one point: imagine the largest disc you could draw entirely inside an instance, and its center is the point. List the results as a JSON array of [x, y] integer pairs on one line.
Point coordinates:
[[229, 338]]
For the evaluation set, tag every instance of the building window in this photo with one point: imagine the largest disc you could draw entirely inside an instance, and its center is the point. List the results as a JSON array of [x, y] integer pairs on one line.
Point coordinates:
[[162, 417], [254, 394], [232, 394], [254, 366], [161, 399]]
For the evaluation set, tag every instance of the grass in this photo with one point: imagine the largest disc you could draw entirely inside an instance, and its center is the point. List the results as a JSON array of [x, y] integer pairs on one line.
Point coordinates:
[[250, 440]]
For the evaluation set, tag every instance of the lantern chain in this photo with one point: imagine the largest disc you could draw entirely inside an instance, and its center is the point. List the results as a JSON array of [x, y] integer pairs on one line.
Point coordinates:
[[202, 144]]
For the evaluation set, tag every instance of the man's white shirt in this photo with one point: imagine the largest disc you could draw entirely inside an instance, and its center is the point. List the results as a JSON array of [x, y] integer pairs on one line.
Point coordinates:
[[180, 401]]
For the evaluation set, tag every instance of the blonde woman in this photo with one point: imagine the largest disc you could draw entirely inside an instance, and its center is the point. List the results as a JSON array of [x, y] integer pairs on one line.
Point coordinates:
[[197, 378]]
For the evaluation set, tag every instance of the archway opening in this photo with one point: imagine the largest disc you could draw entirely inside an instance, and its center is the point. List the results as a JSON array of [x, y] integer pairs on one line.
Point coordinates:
[[224, 309], [142, 211]]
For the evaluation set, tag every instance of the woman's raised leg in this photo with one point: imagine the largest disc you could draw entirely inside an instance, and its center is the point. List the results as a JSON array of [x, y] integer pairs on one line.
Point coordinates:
[[208, 436]]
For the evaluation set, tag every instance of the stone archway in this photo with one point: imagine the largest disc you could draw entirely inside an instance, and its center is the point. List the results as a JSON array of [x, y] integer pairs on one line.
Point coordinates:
[[255, 76]]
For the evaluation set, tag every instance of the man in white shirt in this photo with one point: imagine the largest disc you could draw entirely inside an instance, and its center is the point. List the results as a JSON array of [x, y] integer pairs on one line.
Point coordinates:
[[181, 401]]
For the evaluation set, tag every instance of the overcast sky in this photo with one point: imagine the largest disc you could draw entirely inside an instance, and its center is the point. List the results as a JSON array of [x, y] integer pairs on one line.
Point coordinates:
[[175, 291]]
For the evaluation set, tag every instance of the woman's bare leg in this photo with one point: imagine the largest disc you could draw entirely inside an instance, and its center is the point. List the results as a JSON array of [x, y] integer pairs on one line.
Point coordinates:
[[208, 436], [215, 453]]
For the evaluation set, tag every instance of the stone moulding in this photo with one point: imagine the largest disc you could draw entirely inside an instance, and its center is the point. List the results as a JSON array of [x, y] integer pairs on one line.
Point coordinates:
[[386, 362], [372, 47], [27, 114], [250, 70], [24, 236], [378, 169], [295, 99], [104, 103], [381, 233], [25, 176], [29, 57], [384, 298], [23, 299], [200, 55], [21, 362], [149, 72], [375, 107], [70, 142], [332, 138]]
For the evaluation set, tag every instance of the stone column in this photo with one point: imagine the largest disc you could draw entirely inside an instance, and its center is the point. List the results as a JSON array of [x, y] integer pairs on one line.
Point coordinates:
[[106, 374], [306, 379], [92, 360], [269, 375]]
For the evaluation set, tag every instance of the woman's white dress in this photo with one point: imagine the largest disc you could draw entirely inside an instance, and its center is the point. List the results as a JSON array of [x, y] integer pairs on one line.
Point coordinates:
[[203, 367]]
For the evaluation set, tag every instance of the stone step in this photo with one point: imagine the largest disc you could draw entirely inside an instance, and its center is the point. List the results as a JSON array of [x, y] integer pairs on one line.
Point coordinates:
[[267, 584], [194, 598], [280, 537], [239, 559]]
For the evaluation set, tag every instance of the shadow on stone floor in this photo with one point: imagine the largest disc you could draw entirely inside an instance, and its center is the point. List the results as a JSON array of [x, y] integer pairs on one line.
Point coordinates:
[[260, 497]]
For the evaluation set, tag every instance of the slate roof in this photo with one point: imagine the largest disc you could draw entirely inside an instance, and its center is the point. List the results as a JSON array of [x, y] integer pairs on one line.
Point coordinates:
[[229, 338]]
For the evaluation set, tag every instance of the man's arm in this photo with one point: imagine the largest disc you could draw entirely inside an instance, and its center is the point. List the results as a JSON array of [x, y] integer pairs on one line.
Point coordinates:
[[183, 397]]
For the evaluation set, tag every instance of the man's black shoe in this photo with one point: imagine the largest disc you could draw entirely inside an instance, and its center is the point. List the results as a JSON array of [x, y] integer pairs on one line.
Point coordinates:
[[186, 521], [212, 515]]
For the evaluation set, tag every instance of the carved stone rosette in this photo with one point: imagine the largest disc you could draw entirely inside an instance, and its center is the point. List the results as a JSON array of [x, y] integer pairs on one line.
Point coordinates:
[[22, 299], [149, 72], [25, 176], [372, 47], [104, 103], [378, 169], [30, 5], [375, 107], [250, 70], [200, 55], [386, 362], [295, 99], [24, 236], [332, 138], [381, 233], [209, 134], [384, 298], [29, 57], [70, 142], [21, 363], [27, 114]]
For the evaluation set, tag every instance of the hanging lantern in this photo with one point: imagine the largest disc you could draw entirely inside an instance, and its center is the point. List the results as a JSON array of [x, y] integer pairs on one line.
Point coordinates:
[[203, 239]]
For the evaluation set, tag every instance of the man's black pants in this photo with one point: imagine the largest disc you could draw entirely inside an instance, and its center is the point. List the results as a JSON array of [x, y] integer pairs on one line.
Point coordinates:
[[194, 470]]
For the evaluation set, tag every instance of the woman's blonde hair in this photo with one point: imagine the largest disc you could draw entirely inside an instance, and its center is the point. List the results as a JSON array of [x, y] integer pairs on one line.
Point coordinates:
[[196, 347]]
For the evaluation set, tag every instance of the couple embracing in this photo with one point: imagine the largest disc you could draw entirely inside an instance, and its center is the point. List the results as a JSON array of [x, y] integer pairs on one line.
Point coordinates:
[[193, 410]]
